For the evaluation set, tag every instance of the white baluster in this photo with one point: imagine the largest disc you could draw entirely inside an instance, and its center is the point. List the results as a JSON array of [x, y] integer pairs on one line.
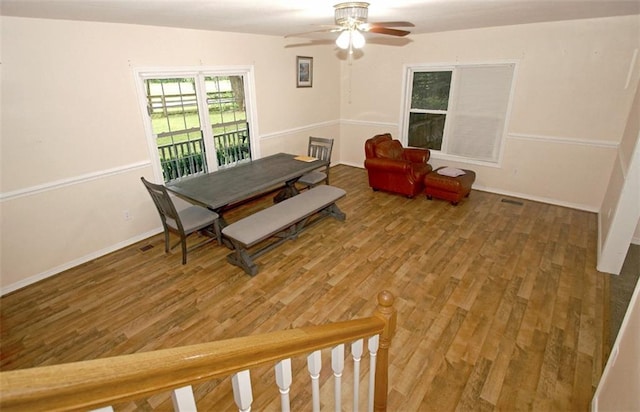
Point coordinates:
[[337, 364], [183, 399], [314, 364], [241, 383], [283, 379], [356, 352], [373, 352]]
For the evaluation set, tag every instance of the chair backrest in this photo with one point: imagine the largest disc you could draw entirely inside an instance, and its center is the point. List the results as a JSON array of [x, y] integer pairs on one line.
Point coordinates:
[[390, 149], [164, 204], [371, 144], [320, 148]]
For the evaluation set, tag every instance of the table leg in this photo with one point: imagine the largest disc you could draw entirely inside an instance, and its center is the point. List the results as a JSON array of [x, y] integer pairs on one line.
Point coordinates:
[[222, 222], [289, 190]]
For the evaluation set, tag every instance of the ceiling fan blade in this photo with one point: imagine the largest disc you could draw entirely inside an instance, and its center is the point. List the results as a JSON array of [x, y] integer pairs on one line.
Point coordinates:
[[386, 30], [327, 30], [391, 24]]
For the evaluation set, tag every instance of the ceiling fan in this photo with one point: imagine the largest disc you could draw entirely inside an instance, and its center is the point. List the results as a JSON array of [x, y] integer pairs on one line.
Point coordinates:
[[351, 21]]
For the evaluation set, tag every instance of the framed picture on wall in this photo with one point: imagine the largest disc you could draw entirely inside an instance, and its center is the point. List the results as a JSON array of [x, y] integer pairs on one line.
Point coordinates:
[[304, 71]]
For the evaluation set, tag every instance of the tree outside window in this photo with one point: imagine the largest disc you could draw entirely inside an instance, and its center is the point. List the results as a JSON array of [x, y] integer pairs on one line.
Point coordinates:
[[429, 103]]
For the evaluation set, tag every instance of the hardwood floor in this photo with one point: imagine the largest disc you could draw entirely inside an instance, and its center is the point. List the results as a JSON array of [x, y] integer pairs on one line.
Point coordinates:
[[500, 306]]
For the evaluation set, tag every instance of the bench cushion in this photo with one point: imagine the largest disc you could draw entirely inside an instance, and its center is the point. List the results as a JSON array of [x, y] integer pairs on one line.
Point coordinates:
[[263, 224]]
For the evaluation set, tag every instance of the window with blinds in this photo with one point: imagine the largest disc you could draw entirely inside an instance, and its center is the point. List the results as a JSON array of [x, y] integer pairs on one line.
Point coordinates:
[[458, 110]]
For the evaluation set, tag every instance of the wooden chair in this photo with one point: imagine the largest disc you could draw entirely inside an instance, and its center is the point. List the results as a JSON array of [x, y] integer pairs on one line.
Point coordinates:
[[185, 222], [320, 148]]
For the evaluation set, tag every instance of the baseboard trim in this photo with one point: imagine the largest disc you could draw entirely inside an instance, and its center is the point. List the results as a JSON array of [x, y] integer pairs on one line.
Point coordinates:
[[359, 166], [519, 195], [539, 199], [84, 259]]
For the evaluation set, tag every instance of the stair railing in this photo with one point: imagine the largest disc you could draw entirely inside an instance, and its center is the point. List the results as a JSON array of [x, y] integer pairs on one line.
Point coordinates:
[[96, 384]]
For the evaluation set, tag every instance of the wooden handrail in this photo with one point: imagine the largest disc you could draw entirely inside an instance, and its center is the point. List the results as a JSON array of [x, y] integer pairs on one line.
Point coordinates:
[[102, 382], [387, 313]]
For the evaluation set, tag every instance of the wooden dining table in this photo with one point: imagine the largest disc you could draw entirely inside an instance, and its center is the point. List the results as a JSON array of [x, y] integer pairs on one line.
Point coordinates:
[[220, 189]]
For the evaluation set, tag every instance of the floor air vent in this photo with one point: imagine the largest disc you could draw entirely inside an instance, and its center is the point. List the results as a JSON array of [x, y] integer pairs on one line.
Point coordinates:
[[145, 248]]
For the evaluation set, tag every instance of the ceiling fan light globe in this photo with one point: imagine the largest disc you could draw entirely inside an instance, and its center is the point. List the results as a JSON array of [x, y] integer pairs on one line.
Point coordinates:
[[357, 39], [343, 40]]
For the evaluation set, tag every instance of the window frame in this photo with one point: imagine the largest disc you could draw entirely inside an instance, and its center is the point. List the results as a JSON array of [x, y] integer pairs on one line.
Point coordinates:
[[198, 73], [406, 110], [409, 104]]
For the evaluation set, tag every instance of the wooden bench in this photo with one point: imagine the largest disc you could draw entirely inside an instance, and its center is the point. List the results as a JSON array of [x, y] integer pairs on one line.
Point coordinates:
[[284, 220]]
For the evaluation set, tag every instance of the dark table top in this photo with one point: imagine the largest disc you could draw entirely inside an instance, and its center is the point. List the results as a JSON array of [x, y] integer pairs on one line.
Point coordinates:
[[218, 189]]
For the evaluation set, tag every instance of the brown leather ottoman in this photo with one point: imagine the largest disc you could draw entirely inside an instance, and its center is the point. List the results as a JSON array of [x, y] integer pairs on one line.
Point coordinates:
[[449, 188]]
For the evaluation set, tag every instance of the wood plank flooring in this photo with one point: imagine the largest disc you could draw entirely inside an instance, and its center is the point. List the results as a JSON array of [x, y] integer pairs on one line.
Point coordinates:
[[500, 306]]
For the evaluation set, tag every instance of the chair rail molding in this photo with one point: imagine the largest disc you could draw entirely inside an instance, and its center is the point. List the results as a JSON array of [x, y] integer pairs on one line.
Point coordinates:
[[370, 123], [295, 130], [57, 184], [521, 136], [564, 140]]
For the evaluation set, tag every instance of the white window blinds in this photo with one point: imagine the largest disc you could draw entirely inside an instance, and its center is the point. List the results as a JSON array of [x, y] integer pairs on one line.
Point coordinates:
[[478, 111]]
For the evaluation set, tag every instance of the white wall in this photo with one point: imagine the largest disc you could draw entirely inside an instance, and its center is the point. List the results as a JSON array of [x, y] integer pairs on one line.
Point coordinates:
[[619, 216], [73, 145], [618, 387], [571, 101]]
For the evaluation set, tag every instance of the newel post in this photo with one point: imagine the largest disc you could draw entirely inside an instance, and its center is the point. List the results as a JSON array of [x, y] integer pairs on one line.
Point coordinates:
[[387, 313]]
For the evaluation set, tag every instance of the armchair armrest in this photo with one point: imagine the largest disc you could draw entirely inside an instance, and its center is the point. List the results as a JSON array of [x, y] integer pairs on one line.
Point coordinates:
[[416, 155], [388, 165]]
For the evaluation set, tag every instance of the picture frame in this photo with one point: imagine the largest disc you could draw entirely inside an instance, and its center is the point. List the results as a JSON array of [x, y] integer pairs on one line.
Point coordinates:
[[304, 71]]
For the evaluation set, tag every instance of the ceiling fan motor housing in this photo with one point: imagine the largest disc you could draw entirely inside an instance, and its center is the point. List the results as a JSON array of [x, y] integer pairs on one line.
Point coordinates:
[[351, 13]]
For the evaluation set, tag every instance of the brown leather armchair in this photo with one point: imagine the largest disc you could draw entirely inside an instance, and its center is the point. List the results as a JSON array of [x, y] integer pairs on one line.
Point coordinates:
[[393, 168]]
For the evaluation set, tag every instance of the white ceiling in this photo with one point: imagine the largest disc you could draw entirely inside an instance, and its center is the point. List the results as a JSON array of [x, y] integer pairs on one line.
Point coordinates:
[[281, 17]]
